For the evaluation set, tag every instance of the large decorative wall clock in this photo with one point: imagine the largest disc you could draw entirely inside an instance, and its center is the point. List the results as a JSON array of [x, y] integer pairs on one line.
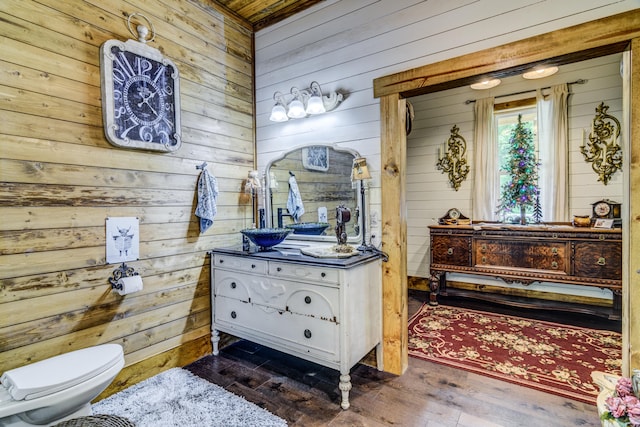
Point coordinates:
[[140, 93]]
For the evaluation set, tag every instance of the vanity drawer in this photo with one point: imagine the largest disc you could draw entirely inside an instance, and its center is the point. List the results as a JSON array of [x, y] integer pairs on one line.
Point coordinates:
[[284, 295], [305, 334], [245, 265], [315, 301], [303, 272]]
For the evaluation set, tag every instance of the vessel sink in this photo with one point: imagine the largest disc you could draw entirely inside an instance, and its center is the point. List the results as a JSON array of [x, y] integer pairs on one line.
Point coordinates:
[[265, 238]]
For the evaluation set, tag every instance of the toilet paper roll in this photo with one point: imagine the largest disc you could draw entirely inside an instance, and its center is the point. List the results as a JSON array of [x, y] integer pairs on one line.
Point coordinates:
[[129, 285]]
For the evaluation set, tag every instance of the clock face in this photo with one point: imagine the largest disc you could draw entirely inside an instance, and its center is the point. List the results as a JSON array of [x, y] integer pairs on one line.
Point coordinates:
[[143, 99], [141, 104], [602, 209], [454, 213]]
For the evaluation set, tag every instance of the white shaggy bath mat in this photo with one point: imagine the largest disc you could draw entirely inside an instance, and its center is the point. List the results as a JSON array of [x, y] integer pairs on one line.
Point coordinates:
[[178, 398]]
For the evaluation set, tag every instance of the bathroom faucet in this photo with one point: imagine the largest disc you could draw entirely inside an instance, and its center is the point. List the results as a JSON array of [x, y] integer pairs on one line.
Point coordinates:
[[280, 215]]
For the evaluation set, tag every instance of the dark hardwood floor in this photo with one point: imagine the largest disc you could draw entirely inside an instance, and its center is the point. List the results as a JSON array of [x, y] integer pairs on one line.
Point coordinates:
[[427, 395]]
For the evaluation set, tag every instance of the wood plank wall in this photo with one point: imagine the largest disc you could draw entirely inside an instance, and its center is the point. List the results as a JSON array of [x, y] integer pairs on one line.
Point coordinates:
[[60, 179]]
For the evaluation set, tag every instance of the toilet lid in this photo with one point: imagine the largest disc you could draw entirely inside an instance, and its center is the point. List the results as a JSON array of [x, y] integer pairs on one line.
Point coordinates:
[[60, 372]]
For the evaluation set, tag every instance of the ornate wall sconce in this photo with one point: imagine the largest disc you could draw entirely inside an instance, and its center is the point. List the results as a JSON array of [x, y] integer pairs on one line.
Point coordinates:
[[602, 149], [452, 160], [303, 103]]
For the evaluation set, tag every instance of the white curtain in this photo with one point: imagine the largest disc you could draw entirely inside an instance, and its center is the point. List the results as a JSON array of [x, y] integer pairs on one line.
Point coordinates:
[[554, 153], [486, 180]]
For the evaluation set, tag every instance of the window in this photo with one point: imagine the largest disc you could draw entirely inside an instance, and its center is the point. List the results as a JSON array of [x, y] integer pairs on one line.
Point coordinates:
[[505, 123]]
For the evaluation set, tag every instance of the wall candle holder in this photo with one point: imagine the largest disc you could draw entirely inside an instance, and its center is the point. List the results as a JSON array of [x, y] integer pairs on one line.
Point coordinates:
[[602, 149], [452, 160]]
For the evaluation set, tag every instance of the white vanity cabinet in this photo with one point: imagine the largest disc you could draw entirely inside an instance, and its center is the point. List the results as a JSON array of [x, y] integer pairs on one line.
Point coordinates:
[[325, 311]]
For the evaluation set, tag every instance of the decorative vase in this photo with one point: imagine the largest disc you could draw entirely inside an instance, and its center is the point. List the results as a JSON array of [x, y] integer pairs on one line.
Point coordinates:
[[523, 215]]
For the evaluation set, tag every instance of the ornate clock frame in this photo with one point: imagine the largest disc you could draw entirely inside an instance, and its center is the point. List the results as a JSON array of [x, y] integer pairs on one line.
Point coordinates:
[[140, 94]]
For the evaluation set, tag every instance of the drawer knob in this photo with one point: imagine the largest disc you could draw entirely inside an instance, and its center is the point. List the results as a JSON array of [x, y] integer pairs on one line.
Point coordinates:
[[233, 315], [601, 261], [554, 251], [307, 333], [221, 261], [450, 251], [554, 264], [484, 259], [307, 299], [484, 247], [253, 266], [279, 269], [233, 285], [323, 274]]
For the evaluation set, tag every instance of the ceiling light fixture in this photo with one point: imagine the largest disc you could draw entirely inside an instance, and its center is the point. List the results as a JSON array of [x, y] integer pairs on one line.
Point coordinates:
[[303, 103], [538, 73], [485, 84]]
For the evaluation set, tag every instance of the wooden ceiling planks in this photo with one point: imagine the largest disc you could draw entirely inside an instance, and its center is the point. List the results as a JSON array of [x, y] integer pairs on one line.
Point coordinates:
[[262, 13]]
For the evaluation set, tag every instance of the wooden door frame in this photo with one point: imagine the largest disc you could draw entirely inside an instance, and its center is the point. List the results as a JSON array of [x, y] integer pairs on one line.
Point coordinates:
[[580, 42]]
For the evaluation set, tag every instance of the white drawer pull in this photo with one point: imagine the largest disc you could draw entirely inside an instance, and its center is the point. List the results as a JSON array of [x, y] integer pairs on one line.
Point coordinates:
[[307, 333]]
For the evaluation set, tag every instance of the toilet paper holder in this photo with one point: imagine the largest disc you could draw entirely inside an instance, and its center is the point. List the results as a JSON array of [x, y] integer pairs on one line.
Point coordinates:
[[123, 271]]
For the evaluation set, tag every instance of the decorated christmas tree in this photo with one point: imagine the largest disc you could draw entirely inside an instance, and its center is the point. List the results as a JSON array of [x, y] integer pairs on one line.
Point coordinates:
[[521, 190]]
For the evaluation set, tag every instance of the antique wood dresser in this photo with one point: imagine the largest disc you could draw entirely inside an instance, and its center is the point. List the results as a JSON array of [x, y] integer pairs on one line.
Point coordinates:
[[527, 254], [325, 310]]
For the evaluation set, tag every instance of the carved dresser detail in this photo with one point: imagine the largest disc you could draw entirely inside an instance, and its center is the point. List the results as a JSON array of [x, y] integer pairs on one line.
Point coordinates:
[[527, 254]]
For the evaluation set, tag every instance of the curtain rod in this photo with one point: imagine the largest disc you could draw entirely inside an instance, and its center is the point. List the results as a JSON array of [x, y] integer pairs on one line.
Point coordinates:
[[577, 82]]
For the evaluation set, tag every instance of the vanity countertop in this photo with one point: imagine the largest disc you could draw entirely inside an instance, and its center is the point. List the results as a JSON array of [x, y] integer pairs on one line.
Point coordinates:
[[295, 256]]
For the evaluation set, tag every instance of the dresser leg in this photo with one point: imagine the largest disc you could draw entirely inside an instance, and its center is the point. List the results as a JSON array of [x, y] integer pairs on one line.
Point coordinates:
[[345, 387], [434, 287], [215, 338]]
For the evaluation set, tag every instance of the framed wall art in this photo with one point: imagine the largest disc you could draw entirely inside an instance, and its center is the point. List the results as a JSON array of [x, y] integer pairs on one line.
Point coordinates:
[[316, 158]]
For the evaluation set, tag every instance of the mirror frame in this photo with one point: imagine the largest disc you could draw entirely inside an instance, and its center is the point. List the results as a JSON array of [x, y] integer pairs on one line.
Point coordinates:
[[329, 238]]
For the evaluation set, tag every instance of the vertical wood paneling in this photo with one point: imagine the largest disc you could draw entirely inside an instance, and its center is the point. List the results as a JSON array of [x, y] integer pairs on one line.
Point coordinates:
[[60, 179]]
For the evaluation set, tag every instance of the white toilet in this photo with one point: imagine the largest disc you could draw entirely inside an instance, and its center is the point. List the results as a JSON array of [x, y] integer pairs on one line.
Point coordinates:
[[59, 388]]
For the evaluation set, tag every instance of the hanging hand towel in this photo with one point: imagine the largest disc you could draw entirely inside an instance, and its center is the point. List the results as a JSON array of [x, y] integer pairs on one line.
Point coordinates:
[[207, 196], [294, 202]]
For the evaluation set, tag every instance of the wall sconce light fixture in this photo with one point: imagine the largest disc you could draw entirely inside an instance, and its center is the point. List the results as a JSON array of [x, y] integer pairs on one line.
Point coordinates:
[[602, 149], [452, 160], [303, 103], [360, 172], [252, 186]]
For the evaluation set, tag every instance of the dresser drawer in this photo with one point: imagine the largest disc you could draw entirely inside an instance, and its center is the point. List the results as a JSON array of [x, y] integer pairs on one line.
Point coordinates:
[[522, 254], [249, 287], [315, 301], [451, 250], [305, 334], [283, 295], [245, 265], [303, 272], [601, 260]]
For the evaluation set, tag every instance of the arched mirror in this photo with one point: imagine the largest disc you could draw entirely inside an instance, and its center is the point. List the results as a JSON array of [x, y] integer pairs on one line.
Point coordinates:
[[322, 173]]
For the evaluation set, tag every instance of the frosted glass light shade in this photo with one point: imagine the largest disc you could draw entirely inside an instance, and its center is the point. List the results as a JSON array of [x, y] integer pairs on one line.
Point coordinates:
[[315, 105], [296, 109], [487, 84], [278, 114], [540, 73]]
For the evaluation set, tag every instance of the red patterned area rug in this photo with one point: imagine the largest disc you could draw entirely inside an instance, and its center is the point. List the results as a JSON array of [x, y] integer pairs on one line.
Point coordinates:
[[542, 355]]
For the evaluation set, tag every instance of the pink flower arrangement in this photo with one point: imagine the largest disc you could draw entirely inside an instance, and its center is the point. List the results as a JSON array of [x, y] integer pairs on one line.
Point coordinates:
[[623, 407]]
